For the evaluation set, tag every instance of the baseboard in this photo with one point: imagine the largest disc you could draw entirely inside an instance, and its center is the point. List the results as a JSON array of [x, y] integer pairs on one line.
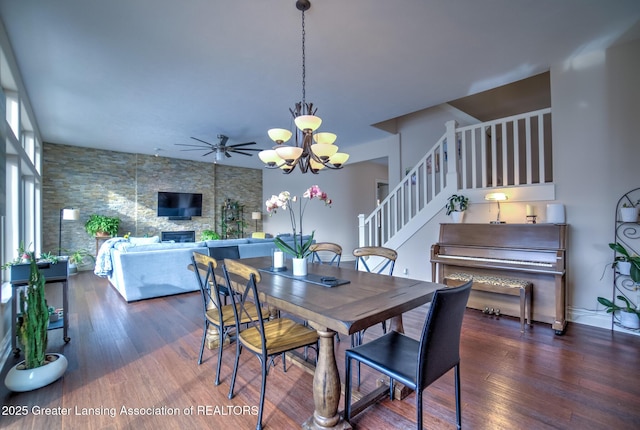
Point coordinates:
[[595, 319]]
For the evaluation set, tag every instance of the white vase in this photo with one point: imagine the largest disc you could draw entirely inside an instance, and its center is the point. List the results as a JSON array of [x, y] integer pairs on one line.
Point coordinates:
[[457, 216], [299, 267], [629, 214], [629, 319], [30, 379], [624, 267]]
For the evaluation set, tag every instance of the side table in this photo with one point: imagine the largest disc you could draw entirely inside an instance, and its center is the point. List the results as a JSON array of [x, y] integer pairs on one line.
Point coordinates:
[[53, 273]]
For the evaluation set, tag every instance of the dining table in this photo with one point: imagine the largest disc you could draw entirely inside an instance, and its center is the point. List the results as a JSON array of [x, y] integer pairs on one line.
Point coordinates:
[[338, 300]]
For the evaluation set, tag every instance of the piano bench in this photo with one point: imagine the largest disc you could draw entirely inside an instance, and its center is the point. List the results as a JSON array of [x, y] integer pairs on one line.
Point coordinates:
[[499, 285]]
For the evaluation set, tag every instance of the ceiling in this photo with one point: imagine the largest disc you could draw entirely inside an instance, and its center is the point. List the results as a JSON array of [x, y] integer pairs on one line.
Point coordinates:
[[144, 75]]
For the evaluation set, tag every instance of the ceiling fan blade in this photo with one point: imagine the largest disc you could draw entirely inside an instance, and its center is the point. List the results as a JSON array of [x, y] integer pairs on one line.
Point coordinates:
[[243, 153], [243, 149], [227, 154], [203, 141], [241, 144], [193, 145], [195, 149], [210, 152]]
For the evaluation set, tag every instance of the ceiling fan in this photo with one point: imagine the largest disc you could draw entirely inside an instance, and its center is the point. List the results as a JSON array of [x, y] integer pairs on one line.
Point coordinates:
[[220, 149]]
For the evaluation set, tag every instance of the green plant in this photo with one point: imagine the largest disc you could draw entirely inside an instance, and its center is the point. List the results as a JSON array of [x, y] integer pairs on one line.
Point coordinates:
[[35, 318], [626, 256], [457, 203], [299, 249], [48, 257], [77, 257], [23, 254], [612, 307], [630, 204], [209, 235], [101, 223]]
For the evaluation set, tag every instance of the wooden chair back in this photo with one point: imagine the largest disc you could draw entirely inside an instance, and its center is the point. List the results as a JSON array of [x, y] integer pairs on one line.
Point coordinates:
[[333, 249], [203, 267], [388, 254]]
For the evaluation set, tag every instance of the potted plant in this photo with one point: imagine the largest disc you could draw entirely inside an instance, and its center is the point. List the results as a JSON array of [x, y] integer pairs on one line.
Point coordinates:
[[209, 235], [101, 225], [77, 258], [629, 211], [625, 263], [629, 315], [456, 205], [38, 368]]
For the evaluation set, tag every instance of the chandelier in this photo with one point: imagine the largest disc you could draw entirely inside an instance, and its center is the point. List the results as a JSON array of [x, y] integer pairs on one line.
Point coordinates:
[[312, 151]]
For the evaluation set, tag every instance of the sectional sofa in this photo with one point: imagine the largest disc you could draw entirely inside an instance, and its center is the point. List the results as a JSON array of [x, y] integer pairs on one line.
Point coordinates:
[[144, 269]]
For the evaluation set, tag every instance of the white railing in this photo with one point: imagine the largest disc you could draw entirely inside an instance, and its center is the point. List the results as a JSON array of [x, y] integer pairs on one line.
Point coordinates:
[[511, 151]]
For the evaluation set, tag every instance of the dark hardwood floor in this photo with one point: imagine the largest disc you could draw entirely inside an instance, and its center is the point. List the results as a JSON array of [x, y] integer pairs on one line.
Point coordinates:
[[143, 355]]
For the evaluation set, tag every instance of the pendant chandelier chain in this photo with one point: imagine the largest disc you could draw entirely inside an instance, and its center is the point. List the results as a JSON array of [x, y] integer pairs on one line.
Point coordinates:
[[304, 68]]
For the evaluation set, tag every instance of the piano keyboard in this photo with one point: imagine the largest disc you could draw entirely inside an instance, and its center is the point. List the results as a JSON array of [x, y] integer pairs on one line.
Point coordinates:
[[496, 260]]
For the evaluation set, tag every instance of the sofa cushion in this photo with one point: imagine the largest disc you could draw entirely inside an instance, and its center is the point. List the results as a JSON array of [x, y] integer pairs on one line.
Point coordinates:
[[226, 242], [144, 240], [128, 247]]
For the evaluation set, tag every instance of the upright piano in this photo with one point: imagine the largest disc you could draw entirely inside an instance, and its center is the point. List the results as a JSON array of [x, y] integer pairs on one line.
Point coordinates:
[[532, 252]]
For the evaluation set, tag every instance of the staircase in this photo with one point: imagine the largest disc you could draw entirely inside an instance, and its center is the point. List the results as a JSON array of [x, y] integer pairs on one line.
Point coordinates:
[[508, 152]]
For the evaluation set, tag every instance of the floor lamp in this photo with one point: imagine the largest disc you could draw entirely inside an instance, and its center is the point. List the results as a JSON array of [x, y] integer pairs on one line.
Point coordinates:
[[256, 216], [67, 215]]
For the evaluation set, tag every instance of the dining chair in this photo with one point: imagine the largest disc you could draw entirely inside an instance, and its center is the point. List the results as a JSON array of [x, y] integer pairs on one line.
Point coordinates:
[[318, 250], [265, 339], [418, 363], [220, 253], [214, 312], [385, 258]]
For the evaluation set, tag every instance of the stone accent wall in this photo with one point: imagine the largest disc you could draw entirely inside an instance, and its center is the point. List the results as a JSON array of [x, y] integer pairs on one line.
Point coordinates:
[[126, 185]]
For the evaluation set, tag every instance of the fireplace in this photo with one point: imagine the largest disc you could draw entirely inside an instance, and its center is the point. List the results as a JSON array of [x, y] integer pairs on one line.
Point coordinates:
[[178, 236]]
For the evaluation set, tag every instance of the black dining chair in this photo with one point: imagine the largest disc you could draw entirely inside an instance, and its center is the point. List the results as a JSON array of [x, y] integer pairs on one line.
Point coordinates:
[[214, 312], [265, 339], [417, 364]]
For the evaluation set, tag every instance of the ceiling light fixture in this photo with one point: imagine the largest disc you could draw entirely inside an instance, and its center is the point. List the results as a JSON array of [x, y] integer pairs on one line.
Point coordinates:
[[305, 154]]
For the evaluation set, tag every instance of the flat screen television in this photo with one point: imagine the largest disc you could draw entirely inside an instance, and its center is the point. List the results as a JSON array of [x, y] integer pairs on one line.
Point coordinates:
[[179, 205]]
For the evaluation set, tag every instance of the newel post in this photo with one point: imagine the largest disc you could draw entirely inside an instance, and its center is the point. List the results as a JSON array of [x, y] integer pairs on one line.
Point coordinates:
[[361, 230], [452, 154]]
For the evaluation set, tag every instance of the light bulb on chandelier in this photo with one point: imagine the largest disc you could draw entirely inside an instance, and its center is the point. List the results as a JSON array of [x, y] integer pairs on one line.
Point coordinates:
[[311, 152]]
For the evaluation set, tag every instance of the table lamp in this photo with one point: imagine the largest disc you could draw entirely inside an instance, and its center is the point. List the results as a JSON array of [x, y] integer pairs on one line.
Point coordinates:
[[497, 197]]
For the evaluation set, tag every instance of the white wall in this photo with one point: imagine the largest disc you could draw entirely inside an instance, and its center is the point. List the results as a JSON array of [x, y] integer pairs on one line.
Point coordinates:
[[596, 106], [352, 189]]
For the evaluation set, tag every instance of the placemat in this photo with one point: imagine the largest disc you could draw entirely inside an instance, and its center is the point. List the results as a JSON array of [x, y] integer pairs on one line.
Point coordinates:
[[312, 278]]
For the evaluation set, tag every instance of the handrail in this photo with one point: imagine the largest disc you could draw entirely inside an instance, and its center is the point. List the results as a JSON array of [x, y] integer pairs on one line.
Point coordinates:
[[511, 151]]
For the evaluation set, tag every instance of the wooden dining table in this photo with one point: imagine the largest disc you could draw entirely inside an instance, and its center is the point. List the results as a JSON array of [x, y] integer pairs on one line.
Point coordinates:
[[367, 299]]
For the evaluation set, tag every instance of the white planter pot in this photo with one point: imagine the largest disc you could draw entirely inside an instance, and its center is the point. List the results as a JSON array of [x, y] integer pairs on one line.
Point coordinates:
[[629, 319], [624, 267], [457, 217], [629, 214], [299, 267], [30, 379]]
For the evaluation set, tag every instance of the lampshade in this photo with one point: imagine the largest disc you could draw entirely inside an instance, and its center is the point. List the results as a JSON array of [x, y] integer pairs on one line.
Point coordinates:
[[256, 215], [288, 153], [70, 214], [270, 157], [315, 165], [307, 122], [323, 150], [339, 158], [496, 196], [325, 137], [279, 135]]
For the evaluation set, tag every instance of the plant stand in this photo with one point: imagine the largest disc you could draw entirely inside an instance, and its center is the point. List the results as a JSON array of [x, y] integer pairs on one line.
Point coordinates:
[[53, 273], [626, 233]]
